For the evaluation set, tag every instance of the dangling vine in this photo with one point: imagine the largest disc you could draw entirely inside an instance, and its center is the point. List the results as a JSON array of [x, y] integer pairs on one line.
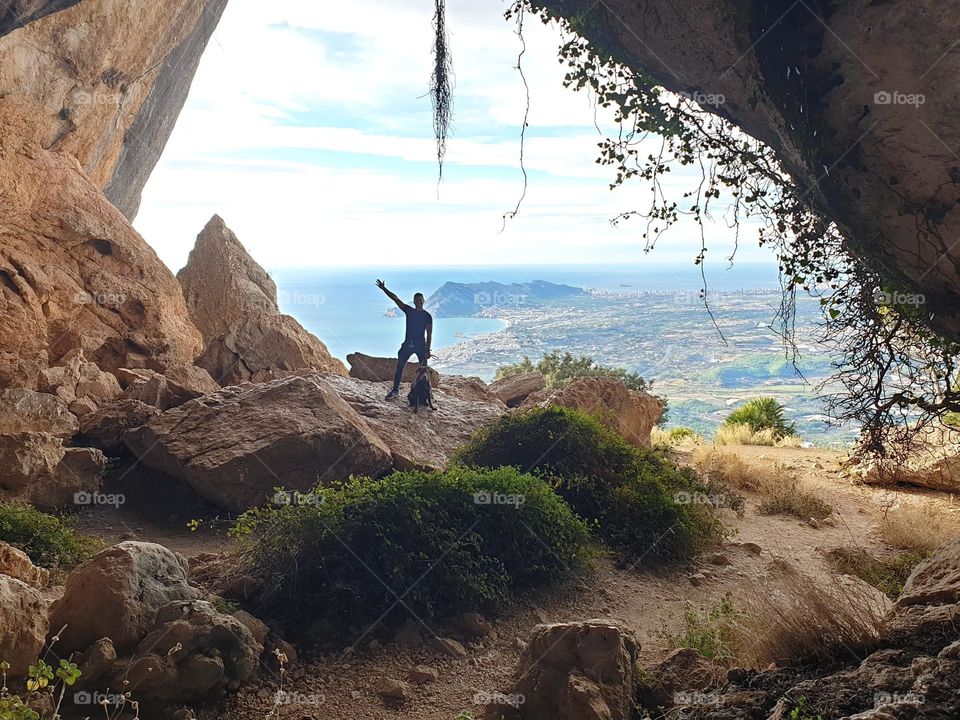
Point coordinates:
[[441, 86], [898, 376]]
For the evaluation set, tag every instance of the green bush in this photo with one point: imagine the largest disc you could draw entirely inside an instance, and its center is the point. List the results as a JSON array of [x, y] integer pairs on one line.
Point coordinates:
[[713, 633], [639, 502], [762, 413], [558, 369], [445, 543], [48, 540], [888, 573]]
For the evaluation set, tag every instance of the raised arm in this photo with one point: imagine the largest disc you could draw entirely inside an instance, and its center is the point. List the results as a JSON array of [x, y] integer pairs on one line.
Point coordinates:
[[391, 295]]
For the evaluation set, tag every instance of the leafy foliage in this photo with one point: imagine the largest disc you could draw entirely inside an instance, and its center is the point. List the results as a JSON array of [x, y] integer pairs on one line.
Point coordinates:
[[634, 498], [435, 544], [48, 540], [888, 573], [559, 369], [762, 413], [712, 633]]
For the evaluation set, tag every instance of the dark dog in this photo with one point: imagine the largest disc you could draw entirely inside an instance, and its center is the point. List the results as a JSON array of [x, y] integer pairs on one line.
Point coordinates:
[[420, 391]]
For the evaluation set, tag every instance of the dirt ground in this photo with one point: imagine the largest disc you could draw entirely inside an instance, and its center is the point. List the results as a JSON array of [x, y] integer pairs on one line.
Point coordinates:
[[343, 685]]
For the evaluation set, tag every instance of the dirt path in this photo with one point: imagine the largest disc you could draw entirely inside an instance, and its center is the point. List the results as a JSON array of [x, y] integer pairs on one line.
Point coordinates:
[[342, 686]]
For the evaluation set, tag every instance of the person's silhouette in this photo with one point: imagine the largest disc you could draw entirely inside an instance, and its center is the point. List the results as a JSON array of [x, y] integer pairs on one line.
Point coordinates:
[[419, 335]]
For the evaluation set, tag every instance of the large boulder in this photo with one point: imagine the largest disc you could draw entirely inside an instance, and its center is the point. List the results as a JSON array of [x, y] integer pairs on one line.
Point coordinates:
[[23, 624], [193, 652], [104, 428], [513, 390], [574, 671], [117, 594], [236, 445], [175, 386], [381, 369], [37, 468], [424, 440], [631, 413], [23, 411], [933, 461], [105, 95], [233, 302], [469, 388], [27, 459], [74, 273]]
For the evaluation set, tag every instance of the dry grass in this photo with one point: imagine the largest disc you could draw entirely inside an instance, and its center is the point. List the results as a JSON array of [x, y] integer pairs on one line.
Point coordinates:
[[919, 529], [887, 573], [792, 618], [661, 439], [737, 434], [780, 488]]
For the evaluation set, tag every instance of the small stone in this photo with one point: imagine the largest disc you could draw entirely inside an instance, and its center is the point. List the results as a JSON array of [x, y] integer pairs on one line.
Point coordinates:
[[519, 644], [697, 579], [392, 689], [422, 674], [719, 559], [814, 523], [449, 646], [355, 695], [752, 548]]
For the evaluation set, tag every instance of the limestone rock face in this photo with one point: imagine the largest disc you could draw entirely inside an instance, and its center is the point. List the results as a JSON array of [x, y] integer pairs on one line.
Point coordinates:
[[381, 369], [79, 383], [105, 95], [233, 302], [515, 389], [36, 468], [935, 581], [934, 462], [23, 624], [576, 671], [236, 445], [631, 413], [104, 428], [73, 273], [828, 86], [173, 387], [17, 13], [117, 594], [23, 410], [216, 653], [28, 458], [15, 563], [468, 388], [417, 441]]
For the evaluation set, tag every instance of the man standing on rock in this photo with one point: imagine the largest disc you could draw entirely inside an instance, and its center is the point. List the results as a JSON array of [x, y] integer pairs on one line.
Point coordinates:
[[417, 339]]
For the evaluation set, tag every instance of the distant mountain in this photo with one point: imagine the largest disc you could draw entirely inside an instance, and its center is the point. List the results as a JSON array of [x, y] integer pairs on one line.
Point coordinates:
[[454, 299]]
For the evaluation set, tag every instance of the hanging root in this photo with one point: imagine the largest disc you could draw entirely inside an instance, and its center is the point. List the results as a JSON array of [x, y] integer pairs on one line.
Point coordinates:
[[441, 90]]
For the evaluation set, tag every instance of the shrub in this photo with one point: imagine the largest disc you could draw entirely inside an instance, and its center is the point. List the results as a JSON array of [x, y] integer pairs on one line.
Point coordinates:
[[761, 414], [779, 487], [666, 439], [887, 573], [48, 540], [633, 497], [711, 633], [793, 619], [433, 543], [919, 529]]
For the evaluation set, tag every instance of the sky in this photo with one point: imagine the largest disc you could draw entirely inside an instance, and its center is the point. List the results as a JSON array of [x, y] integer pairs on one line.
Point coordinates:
[[309, 130]]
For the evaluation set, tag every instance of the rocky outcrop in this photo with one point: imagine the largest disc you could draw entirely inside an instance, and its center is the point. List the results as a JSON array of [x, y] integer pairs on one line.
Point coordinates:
[[513, 390], [933, 462], [193, 652], [171, 388], [472, 389], [911, 674], [575, 671], [73, 273], [233, 302], [117, 594], [80, 384], [236, 445], [631, 413], [37, 468], [381, 369], [828, 86], [23, 624], [102, 94], [18, 13], [23, 411], [422, 441], [16, 564]]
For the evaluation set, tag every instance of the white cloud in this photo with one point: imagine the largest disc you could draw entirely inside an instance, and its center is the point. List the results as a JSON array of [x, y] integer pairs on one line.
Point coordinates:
[[307, 129]]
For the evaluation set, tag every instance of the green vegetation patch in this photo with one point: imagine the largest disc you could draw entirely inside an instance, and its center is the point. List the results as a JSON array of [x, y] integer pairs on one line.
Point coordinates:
[[48, 540]]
